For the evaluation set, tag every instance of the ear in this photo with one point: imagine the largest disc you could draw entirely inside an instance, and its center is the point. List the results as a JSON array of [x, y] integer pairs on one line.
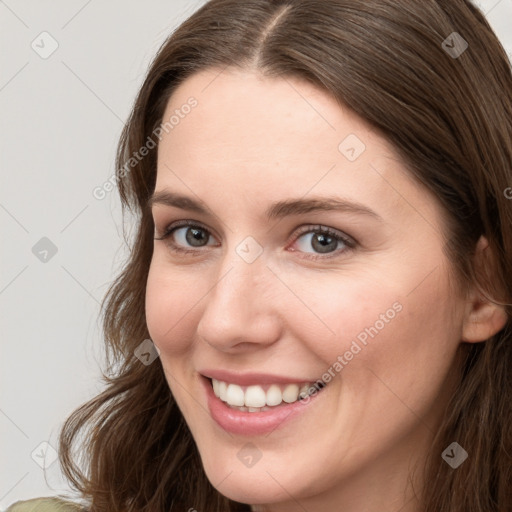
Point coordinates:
[[483, 317]]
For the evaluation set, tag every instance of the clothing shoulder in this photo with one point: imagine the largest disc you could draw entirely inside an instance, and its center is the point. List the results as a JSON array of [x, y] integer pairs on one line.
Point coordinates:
[[45, 505]]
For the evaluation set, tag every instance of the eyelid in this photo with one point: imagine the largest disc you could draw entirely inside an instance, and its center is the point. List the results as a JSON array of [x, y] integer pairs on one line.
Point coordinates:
[[308, 228], [349, 241], [183, 223]]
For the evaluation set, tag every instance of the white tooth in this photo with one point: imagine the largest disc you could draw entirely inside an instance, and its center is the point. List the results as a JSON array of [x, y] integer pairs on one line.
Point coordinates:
[[254, 409], [290, 393], [235, 395], [222, 390], [215, 383], [274, 395], [255, 396], [243, 409]]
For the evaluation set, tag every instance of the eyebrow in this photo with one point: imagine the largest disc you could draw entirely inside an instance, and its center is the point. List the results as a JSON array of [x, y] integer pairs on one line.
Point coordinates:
[[277, 210]]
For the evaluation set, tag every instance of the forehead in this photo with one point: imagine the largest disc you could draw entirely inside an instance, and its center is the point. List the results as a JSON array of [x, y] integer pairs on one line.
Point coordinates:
[[245, 112], [273, 137]]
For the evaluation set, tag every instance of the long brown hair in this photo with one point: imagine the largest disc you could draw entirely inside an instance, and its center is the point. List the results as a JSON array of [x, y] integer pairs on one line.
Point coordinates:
[[450, 118]]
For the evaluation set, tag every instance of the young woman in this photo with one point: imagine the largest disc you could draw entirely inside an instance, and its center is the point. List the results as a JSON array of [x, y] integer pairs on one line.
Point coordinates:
[[316, 314]]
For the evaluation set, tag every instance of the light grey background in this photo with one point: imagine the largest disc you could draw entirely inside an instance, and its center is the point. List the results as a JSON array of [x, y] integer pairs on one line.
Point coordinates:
[[61, 117]]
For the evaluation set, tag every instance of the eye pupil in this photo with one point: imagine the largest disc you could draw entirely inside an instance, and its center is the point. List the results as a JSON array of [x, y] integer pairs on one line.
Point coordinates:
[[196, 235], [323, 243]]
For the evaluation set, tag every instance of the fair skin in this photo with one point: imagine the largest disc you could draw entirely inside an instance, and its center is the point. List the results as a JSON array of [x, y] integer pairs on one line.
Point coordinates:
[[250, 142]]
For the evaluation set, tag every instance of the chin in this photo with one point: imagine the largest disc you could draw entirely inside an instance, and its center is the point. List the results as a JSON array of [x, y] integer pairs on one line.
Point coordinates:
[[248, 487], [268, 481]]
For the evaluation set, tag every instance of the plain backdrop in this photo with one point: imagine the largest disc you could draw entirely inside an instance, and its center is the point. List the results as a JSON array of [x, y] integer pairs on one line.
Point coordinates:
[[69, 73]]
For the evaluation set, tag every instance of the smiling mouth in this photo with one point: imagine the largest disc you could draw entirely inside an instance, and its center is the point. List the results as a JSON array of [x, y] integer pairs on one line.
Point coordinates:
[[261, 398]]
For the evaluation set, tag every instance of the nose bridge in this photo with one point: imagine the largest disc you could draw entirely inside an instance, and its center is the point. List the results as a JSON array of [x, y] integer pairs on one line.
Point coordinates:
[[241, 274], [237, 280], [237, 307]]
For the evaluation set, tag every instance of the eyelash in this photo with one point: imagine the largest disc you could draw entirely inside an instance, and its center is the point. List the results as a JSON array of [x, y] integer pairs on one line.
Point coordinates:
[[350, 243]]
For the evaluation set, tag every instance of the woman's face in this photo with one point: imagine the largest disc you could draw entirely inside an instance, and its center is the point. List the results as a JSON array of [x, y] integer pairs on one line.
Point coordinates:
[[258, 295]]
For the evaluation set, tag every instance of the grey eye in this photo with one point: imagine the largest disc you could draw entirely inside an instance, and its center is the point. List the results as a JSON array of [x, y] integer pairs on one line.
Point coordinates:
[[193, 236], [321, 242]]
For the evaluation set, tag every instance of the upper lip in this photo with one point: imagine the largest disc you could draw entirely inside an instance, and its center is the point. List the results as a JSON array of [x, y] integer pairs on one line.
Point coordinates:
[[251, 378]]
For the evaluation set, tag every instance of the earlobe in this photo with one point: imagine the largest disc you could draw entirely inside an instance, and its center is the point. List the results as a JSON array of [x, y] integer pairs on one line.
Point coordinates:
[[484, 320], [484, 317]]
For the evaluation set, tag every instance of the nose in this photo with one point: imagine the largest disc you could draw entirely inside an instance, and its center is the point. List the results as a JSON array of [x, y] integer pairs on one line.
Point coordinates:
[[240, 310]]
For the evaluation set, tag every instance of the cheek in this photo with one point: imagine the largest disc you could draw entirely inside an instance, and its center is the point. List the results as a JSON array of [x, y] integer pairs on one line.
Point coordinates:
[[170, 300], [336, 314], [403, 365], [403, 332]]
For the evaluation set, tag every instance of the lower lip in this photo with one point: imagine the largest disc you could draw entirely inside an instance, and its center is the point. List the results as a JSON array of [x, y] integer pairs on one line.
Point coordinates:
[[253, 423]]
